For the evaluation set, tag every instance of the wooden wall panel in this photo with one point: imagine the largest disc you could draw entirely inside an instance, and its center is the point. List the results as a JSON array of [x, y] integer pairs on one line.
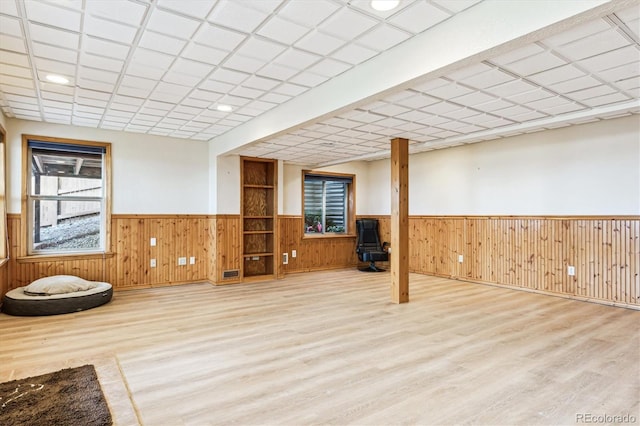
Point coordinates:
[[313, 253], [228, 246], [129, 264]]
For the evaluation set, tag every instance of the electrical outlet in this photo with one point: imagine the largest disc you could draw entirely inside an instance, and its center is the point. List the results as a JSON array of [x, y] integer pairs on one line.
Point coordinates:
[[571, 270], [153, 242], [182, 261], [153, 263], [285, 258], [192, 260], [460, 258], [294, 253]]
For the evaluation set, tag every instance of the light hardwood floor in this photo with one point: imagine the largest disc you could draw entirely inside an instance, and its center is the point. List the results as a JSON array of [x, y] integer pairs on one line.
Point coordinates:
[[330, 348]]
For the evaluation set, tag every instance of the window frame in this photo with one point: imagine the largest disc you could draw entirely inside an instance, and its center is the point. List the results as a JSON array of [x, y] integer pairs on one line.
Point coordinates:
[[25, 215], [350, 204], [4, 241]]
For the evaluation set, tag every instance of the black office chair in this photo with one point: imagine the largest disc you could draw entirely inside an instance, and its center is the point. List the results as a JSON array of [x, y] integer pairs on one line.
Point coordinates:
[[368, 245]]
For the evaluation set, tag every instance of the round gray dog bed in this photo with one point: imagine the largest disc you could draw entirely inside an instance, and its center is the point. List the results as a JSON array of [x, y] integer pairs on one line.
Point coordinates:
[[16, 302]]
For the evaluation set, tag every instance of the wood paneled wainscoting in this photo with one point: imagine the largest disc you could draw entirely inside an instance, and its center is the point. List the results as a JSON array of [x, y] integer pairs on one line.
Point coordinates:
[[313, 253], [129, 264], [532, 253]]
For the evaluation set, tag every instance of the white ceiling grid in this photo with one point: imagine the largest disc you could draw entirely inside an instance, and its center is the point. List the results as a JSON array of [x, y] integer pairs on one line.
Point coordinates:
[[162, 67]]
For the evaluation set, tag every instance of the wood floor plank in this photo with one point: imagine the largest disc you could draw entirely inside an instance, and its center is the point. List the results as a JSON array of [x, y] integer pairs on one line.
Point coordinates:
[[329, 348]]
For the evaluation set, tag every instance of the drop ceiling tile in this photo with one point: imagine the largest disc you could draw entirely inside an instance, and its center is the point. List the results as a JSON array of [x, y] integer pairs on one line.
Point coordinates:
[[283, 31], [441, 108], [518, 54], [493, 105], [329, 67], [487, 79], [563, 109], [310, 13], [413, 116], [449, 91], [94, 61], [20, 91], [535, 64], [98, 75], [556, 75], [8, 8], [95, 85], [164, 96], [173, 25], [215, 86], [139, 70], [347, 24], [290, 89], [430, 85], [135, 92], [56, 53], [579, 83], [49, 14], [48, 95], [246, 92], [533, 95], [628, 83], [595, 44], [257, 48], [141, 83], [243, 63], [192, 68], [592, 92], [161, 43], [419, 16], [256, 82], [15, 44], [611, 59], [551, 102], [463, 113], [473, 98], [181, 79], [201, 53], [417, 101], [92, 94], [622, 72], [123, 11], [109, 30], [104, 48], [456, 5], [354, 54], [319, 43], [194, 8], [229, 76], [383, 37], [309, 79], [22, 99], [527, 116], [15, 81], [577, 33], [390, 110], [220, 38], [296, 59], [126, 100], [11, 26], [470, 71], [236, 15], [492, 123], [15, 71]]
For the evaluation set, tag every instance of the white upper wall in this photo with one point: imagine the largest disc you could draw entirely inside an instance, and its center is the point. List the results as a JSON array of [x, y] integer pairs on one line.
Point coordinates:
[[591, 169], [151, 174]]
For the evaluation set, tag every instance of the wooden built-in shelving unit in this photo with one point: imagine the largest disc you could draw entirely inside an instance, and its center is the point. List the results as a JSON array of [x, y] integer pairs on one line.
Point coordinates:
[[259, 214]]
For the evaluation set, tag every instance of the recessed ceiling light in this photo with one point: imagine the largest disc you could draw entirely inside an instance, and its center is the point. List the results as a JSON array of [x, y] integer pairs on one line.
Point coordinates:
[[384, 5], [58, 79], [224, 108]]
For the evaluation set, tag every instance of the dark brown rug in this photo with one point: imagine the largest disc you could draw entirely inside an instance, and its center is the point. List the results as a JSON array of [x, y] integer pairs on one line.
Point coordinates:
[[67, 397]]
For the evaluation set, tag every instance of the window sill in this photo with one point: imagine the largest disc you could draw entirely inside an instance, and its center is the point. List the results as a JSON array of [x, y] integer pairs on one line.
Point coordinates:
[[63, 257], [323, 236]]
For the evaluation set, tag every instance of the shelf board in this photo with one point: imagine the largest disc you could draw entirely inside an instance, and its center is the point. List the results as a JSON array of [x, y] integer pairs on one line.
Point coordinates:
[[258, 232], [265, 254], [249, 185]]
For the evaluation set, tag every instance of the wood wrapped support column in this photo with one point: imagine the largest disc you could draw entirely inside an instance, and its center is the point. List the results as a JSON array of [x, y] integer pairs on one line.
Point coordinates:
[[399, 220]]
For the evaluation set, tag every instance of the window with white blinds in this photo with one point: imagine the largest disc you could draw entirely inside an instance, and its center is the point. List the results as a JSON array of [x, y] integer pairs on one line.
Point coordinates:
[[326, 203]]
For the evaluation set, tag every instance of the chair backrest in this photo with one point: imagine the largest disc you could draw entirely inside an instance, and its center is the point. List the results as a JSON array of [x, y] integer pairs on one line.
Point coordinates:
[[368, 238]]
